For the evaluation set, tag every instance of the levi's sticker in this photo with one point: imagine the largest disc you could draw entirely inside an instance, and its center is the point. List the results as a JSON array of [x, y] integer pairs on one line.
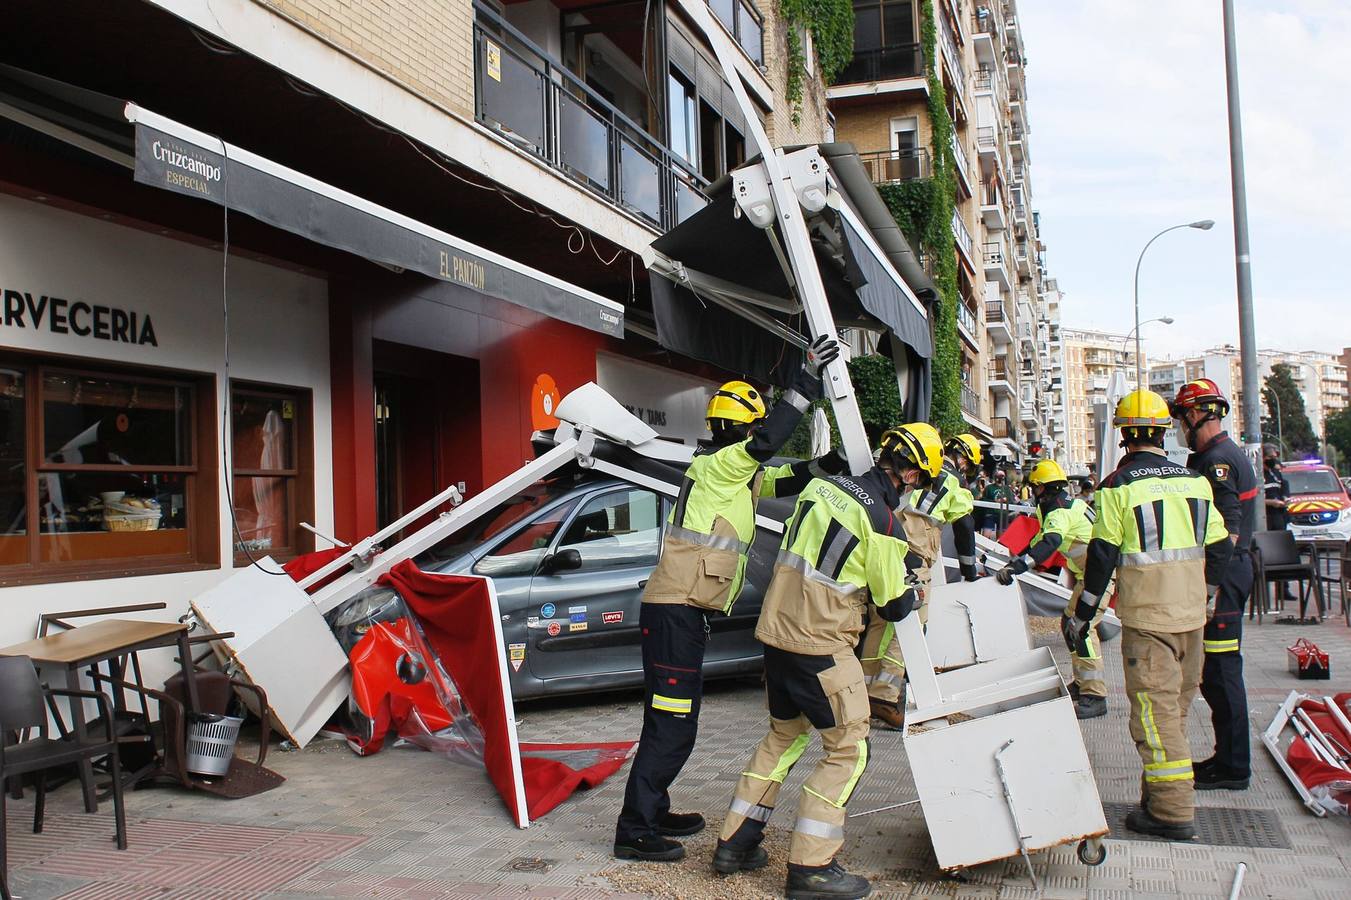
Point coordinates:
[[612, 618], [577, 626], [554, 629], [577, 617]]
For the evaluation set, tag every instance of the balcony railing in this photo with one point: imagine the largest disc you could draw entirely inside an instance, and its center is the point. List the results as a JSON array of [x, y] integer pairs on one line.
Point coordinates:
[[744, 23], [986, 137], [963, 235], [952, 57], [966, 318], [984, 80], [995, 312], [959, 155], [890, 166], [540, 106], [1002, 427], [883, 64], [970, 402]]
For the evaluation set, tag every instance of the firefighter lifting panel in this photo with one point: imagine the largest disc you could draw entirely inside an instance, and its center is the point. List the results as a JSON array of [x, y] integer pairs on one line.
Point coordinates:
[[1001, 747], [975, 621]]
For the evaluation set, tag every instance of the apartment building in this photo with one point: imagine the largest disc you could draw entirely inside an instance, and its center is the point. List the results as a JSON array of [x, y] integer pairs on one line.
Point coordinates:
[[1321, 379], [435, 219], [880, 105], [1091, 359]]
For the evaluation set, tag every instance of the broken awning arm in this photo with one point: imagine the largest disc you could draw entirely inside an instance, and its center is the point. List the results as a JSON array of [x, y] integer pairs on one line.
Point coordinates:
[[180, 159]]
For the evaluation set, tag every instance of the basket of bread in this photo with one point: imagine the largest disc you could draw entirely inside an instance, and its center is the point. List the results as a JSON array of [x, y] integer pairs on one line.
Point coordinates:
[[131, 514]]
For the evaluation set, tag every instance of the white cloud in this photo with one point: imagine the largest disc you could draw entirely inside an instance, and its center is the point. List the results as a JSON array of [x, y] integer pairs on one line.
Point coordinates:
[[1130, 135]]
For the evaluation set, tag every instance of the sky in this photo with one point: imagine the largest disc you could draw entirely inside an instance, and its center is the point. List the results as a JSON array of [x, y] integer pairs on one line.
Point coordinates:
[[1129, 135]]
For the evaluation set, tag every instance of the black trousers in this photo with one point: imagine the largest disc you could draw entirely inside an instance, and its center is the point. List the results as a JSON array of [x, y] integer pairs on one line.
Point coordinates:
[[1222, 672], [674, 638]]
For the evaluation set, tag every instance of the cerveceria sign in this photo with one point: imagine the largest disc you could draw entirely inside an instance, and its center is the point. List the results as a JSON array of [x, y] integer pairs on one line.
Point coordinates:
[[35, 311]]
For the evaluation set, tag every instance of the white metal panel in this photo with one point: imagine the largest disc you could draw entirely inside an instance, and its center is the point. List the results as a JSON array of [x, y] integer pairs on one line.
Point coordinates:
[[975, 621]]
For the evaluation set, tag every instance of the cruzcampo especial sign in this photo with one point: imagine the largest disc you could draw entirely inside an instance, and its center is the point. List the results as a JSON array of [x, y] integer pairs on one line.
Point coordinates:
[[35, 311]]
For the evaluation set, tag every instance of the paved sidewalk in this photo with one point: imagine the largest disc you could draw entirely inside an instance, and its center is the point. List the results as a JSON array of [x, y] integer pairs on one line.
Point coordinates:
[[409, 824]]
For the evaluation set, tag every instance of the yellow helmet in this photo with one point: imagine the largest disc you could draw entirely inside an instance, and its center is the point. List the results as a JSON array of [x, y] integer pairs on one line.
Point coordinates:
[[736, 401], [1142, 409], [917, 442], [967, 446], [1047, 471]]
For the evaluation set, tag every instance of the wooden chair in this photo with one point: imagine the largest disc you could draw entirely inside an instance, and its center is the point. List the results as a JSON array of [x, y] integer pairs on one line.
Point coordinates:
[[24, 705]]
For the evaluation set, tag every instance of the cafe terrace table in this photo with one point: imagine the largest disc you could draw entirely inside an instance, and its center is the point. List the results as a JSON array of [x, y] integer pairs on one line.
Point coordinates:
[[104, 641]]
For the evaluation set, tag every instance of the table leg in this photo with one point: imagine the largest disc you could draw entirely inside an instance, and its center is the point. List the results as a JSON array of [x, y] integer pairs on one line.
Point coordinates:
[[189, 674], [78, 729]]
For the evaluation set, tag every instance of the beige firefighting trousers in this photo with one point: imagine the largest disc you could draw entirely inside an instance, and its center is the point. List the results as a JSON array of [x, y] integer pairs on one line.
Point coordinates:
[[1088, 670], [818, 833], [1163, 673]]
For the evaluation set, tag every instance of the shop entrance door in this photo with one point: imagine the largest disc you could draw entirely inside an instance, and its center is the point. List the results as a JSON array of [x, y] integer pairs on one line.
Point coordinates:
[[427, 428]]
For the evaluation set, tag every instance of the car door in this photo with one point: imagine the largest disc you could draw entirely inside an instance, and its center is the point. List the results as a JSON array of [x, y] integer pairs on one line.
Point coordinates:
[[592, 583]]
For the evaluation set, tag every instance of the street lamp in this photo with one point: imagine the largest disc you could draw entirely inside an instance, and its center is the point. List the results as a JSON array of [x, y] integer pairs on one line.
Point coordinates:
[[1203, 225], [1166, 320]]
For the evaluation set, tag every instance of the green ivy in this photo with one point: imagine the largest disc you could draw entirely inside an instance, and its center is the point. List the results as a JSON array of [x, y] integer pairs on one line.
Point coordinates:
[[831, 23], [878, 398], [923, 210]]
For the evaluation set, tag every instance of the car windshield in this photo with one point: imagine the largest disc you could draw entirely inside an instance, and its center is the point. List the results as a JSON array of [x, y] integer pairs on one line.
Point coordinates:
[[1312, 481], [493, 523]]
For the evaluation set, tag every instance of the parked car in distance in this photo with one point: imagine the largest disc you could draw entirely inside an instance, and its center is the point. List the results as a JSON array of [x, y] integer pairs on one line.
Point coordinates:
[[569, 558], [1319, 505]]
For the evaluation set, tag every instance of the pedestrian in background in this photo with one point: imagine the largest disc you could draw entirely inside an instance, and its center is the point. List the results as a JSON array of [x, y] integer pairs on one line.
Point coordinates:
[[1277, 499]]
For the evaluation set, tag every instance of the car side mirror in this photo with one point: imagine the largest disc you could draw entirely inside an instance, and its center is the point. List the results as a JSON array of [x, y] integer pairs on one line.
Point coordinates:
[[562, 561]]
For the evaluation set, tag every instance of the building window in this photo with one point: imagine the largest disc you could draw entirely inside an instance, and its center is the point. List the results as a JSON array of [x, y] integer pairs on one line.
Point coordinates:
[[100, 472], [684, 118], [272, 455]]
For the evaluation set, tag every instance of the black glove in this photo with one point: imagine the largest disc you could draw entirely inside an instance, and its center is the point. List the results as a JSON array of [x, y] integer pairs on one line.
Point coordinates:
[[807, 382], [1075, 632], [900, 607], [1004, 576], [969, 572]]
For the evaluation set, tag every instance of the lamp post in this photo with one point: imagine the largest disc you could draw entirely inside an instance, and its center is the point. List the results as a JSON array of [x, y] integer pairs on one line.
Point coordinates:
[[1167, 320], [1203, 225], [1280, 438]]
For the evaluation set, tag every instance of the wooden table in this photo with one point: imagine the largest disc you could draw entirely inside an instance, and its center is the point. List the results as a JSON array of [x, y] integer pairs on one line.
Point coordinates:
[[99, 642]]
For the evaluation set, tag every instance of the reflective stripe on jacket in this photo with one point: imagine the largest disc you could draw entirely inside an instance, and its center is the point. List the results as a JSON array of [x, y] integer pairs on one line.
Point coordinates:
[[1155, 520], [843, 549], [1073, 522], [926, 510]]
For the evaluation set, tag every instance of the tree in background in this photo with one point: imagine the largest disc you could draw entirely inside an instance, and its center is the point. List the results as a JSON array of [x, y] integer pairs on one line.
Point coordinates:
[[1294, 428], [1337, 429]]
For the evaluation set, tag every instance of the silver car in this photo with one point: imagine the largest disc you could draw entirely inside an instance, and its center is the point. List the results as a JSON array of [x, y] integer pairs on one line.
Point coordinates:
[[569, 558]]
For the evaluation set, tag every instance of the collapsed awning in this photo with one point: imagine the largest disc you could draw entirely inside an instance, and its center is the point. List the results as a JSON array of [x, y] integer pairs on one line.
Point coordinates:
[[173, 156], [725, 296]]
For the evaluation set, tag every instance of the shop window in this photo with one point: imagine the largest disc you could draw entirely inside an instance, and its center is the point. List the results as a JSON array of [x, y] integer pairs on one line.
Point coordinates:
[[273, 472], [99, 472]]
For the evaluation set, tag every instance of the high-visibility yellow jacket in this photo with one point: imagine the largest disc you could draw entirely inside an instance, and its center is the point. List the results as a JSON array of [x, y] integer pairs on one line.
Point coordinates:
[[927, 510], [1158, 527], [844, 549], [1067, 527]]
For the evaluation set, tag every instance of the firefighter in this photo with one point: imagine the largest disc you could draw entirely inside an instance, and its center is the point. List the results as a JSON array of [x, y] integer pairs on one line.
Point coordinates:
[[700, 571], [937, 498], [843, 551], [1276, 499], [1066, 527], [963, 454], [1158, 529], [1199, 408]]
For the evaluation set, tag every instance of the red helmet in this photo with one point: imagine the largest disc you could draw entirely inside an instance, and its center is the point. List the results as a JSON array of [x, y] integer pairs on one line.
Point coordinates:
[[1202, 394]]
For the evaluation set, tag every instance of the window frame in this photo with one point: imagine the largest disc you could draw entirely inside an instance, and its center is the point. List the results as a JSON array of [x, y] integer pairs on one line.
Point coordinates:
[[300, 499], [201, 482]]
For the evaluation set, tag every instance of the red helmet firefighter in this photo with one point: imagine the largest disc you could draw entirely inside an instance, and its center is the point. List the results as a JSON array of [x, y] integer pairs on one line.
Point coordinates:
[[1198, 402]]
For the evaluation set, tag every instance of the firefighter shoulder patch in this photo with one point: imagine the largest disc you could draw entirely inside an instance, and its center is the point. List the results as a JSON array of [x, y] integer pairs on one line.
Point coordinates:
[[1220, 471]]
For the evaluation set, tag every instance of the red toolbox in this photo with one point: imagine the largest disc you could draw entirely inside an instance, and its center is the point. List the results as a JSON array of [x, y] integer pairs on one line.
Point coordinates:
[[1307, 661]]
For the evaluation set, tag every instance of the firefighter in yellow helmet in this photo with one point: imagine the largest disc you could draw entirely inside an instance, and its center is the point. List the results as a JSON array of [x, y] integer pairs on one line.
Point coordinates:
[[843, 552], [699, 573], [1158, 529], [1066, 527], [962, 458], [934, 498]]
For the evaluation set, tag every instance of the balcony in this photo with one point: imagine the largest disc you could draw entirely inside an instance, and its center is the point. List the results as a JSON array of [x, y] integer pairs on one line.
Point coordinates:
[[992, 207], [953, 59], [998, 323], [744, 23], [987, 144], [541, 107], [902, 61], [1002, 426], [996, 269], [1000, 379], [987, 36], [897, 166], [966, 324], [970, 402], [966, 245], [1016, 149], [1024, 259], [960, 160]]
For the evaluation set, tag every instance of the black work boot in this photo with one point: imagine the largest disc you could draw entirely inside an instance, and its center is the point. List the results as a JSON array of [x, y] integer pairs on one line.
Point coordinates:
[[1216, 777], [886, 712], [829, 882], [1090, 707], [728, 860], [680, 824], [649, 848], [1074, 691], [1141, 822]]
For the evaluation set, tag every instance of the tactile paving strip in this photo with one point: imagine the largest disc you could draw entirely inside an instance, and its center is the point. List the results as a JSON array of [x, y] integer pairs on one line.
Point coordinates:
[[1215, 825]]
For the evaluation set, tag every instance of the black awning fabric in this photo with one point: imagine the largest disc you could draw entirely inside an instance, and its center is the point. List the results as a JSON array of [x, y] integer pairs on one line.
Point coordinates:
[[882, 299], [175, 158]]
